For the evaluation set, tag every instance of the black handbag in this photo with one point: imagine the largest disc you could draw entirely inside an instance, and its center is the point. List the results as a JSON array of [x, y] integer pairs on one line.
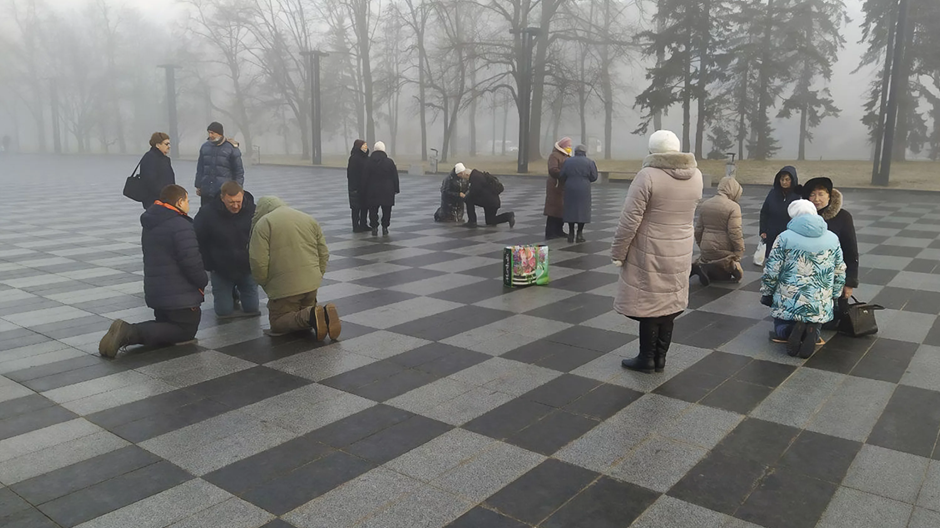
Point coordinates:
[[134, 187], [858, 319]]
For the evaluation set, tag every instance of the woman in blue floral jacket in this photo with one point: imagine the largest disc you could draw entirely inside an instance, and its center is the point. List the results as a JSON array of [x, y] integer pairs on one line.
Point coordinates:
[[802, 275]]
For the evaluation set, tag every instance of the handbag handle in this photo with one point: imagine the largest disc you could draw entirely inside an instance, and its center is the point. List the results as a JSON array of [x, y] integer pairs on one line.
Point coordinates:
[[872, 306], [134, 173]]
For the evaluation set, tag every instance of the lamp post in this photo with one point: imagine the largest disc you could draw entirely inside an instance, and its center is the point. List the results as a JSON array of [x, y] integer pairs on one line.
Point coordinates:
[[528, 36], [313, 75], [171, 105]]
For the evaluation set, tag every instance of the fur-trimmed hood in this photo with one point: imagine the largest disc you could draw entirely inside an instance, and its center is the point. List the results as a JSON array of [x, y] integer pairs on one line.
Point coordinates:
[[563, 151], [835, 206], [679, 165]]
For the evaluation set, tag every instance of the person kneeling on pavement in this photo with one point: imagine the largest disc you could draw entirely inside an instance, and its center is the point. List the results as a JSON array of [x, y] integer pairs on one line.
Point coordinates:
[[223, 228], [484, 191], [288, 256], [803, 274], [174, 278], [453, 190], [719, 235]]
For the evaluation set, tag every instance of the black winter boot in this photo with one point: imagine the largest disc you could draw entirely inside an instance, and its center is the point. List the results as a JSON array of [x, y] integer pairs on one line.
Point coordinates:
[[702, 276], [663, 340], [645, 360]]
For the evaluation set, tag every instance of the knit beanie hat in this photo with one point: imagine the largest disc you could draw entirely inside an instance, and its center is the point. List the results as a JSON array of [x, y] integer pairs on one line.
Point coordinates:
[[459, 168], [663, 141], [216, 127], [379, 146], [800, 208]]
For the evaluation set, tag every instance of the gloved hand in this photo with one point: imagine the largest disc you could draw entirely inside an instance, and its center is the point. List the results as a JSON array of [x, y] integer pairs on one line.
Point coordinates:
[[767, 300]]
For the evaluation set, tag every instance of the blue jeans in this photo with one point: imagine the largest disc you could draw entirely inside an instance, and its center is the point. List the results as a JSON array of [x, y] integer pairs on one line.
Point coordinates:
[[222, 289], [782, 327]]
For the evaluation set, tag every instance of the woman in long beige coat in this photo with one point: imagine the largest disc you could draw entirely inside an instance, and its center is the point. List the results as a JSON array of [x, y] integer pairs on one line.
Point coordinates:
[[555, 190], [653, 245], [719, 235]]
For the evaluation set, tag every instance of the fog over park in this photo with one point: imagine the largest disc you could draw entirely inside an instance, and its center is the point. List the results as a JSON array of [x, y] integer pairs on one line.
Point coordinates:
[[757, 77]]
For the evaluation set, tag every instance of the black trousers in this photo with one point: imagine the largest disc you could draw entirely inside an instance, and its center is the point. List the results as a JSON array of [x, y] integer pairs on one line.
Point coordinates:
[[554, 227], [169, 327], [659, 329], [489, 215], [360, 218], [386, 216]]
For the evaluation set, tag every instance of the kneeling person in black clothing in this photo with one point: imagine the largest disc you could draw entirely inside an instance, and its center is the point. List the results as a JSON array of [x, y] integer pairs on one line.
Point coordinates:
[[484, 191], [174, 278]]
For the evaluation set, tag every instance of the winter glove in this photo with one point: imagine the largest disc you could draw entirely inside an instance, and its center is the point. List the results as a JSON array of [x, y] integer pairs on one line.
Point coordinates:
[[767, 300], [617, 263]]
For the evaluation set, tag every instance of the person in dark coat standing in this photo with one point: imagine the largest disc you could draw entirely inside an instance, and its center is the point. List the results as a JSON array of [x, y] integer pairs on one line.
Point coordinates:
[[453, 191], [174, 278], [357, 162], [828, 202], [484, 191], [156, 172], [219, 161], [223, 228], [773, 214], [577, 174], [380, 185], [555, 190]]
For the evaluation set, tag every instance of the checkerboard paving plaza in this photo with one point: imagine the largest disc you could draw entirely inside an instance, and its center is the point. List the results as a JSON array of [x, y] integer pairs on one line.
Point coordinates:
[[450, 400]]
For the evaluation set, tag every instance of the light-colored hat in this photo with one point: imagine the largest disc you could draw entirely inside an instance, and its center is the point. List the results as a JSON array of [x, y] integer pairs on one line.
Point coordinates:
[[459, 168], [664, 141], [800, 208], [379, 146]]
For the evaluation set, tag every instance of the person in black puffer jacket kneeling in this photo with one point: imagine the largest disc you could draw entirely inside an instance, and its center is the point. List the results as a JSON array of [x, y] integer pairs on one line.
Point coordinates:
[[174, 278]]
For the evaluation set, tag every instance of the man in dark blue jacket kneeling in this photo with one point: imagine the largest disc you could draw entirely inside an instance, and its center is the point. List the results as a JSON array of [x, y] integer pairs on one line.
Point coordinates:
[[174, 278]]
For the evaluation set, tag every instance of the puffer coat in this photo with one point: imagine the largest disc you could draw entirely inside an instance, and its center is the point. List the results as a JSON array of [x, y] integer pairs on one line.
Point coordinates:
[[577, 174], [655, 237], [718, 231], [842, 224], [773, 214], [357, 162], [554, 187], [218, 163], [174, 277], [380, 181], [223, 237], [483, 191]]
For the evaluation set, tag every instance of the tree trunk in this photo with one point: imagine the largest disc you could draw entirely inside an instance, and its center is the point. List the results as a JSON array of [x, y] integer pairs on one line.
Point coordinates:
[[422, 110], [607, 88], [763, 97], [502, 148], [538, 79], [703, 76], [906, 101], [473, 111], [801, 156], [660, 57]]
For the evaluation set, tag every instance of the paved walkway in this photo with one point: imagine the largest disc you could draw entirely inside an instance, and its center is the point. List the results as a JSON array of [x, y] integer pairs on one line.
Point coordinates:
[[449, 400]]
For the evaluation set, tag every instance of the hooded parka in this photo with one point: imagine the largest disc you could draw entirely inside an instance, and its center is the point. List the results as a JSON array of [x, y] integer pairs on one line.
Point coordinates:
[[174, 276], [380, 180], [773, 214], [357, 162], [554, 186], [718, 231]]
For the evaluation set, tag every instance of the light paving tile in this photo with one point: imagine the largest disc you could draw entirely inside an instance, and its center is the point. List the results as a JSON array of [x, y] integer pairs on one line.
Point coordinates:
[[58, 456], [96, 386], [489, 370], [132, 315], [427, 507], [10, 390], [425, 398], [796, 401], [15, 295], [701, 426], [929, 496], [342, 289], [755, 343], [195, 368], [737, 303], [923, 518], [323, 363], [463, 264], [510, 333], [37, 355], [851, 508], [401, 312], [47, 315], [38, 280], [40, 439], [668, 512], [614, 322], [364, 272], [232, 513], [302, 420], [396, 254], [680, 358], [912, 327], [440, 455], [381, 344], [523, 380], [526, 300], [853, 409], [888, 473], [360, 498], [164, 508], [437, 284], [80, 296], [211, 456], [117, 397], [464, 408], [923, 371], [90, 273], [200, 434], [488, 472], [911, 281]]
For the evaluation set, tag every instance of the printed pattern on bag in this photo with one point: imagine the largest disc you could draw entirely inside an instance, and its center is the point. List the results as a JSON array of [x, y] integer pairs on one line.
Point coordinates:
[[525, 265]]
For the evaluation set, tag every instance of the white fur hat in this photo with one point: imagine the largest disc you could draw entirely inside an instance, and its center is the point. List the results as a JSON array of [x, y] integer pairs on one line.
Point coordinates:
[[664, 141], [379, 146], [800, 208], [459, 168]]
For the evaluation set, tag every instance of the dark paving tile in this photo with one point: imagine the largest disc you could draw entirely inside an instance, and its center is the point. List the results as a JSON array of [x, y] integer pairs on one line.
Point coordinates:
[[586, 281], [787, 499], [398, 439], [836, 359], [67, 480], [539, 350], [895, 251], [720, 482], [360, 425], [97, 500], [574, 310], [893, 298], [766, 373], [142, 356], [366, 250], [254, 392], [706, 330], [562, 390], [508, 418], [702, 296], [28, 518], [449, 244], [26, 404], [154, 405], [480, 517], [552, 432], [588, 262], [604, 401], [427, 260], [737, 396], [171, 420], [72, 377], [721, 364], [251, 472], [690, 386], [397, 278], [265, 349], [450, 323], [569, 360], [369, 300], [605, 504], [591, 338], [425, 354], [535, 495], [821, 456], [587, 247], [283, 494], [886, 360], [278, 523], [74, 327], [924, 302], [363, 376], [397, 384], [910, 422], [933, 336], [58, 367], [453, 362], [33, 420], [758, 440], [11, 503], [919, 265], [474, 293], [878, 277]]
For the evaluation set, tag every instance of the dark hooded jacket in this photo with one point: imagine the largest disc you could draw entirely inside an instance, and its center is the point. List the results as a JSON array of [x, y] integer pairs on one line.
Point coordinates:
[[174, 277], [451, 202], [357, 162], [223, 237], [773, 215], [484, 190], [380, 180], [156, 172], [218, 163]]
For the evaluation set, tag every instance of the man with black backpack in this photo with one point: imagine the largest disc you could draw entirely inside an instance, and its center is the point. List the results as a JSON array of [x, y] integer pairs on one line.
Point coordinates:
[[484, 191]]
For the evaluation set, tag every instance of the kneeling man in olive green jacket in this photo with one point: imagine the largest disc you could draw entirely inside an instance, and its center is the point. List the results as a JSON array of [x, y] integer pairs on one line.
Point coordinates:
[[288, 257]]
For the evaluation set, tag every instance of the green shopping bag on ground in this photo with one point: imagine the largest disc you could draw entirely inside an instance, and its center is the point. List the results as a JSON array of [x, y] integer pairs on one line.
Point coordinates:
[[525, 265]]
